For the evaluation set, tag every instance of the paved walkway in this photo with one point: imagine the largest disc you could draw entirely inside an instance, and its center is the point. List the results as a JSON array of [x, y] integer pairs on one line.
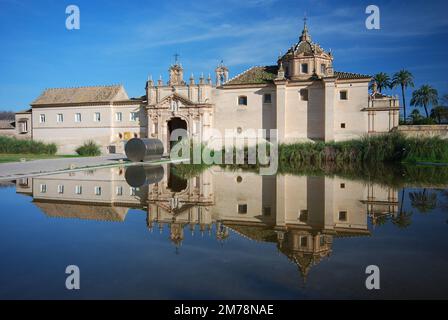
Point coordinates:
[[13, 170], [17, 170]]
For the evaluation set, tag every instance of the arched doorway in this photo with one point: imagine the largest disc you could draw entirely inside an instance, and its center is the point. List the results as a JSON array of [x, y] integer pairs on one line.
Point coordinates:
[[174, 124]]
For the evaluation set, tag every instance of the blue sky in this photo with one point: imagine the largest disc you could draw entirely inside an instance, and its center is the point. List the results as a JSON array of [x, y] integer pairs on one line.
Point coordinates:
[[125, 41]]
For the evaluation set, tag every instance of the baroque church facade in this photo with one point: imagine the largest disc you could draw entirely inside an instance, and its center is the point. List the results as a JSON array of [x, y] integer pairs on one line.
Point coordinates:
[[301, 96]]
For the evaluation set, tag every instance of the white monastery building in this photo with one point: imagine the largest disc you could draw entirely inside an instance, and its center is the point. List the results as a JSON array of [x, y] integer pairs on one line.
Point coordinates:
[[301, 96]]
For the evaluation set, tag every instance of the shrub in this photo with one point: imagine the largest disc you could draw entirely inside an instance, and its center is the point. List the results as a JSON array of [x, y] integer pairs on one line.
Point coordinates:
[[13, 145], [89, 148]]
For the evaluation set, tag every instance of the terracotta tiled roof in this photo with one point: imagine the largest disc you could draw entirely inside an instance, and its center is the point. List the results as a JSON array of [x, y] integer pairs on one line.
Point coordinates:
[[81, 95], [6, 124], [266, 74], [255, 75], [350, 75], [82, 211]]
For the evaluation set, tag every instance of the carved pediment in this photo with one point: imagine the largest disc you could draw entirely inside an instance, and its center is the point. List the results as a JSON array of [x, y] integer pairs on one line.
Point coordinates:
[[175, 102]]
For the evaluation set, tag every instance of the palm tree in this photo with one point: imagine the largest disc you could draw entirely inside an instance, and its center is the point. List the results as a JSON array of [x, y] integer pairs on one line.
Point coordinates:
[[424, 97], [423, 201], [403, 219], [404, 79], [382, 80]]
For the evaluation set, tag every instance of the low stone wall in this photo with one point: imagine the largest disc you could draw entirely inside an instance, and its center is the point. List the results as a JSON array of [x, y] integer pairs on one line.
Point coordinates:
[[7, 132], [432, 130]]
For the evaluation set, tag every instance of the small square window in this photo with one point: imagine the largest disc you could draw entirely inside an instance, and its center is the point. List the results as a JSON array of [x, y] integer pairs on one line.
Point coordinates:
[[242, 100], [242, 208], [267, 98], [42, 118], [343, 95], [342, 185], [304, 67], [342, 215], [343, 125], [304, 94]]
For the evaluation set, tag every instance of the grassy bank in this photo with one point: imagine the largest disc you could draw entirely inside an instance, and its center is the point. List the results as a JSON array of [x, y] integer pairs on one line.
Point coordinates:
[[10, 145], [387, 148]]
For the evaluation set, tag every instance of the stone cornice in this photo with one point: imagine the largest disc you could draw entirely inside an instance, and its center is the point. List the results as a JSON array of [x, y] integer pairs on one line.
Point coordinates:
[[380, 109], [87, 104]]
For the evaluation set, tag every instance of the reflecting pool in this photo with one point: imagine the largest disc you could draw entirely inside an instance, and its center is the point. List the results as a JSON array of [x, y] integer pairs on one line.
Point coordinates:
[[164, 233]]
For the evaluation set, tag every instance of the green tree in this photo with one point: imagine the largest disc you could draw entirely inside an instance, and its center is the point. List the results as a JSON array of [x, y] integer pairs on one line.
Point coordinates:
[[382, 80], [404, 79], [440, 114], [424, 97]]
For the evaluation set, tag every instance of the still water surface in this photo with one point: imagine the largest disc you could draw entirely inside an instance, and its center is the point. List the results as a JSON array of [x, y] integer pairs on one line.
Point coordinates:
[[220, 235]]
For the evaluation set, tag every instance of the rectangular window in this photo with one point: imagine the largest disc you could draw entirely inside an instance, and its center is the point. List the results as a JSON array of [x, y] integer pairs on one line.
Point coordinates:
[[304, 241], [267, 98], [322, 241], [23, 125], [133, 191], [60, 117], [119, 191], [343, 95], [342, 215], [119, 116], [304, 94], [60, 189], [98, 191], [43, 188], [304, 67], [242, 100], [77, 117], [42, 118], [303, 215], [97, 117], [134, 116], [78, 189], [242, 208], [323, 68]]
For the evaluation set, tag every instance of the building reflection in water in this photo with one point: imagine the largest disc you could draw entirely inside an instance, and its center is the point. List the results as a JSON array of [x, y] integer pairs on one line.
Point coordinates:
[[302, 215]]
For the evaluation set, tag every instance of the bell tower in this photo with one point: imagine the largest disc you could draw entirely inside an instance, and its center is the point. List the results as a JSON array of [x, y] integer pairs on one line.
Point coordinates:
[[222, 74], [176, 73]]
